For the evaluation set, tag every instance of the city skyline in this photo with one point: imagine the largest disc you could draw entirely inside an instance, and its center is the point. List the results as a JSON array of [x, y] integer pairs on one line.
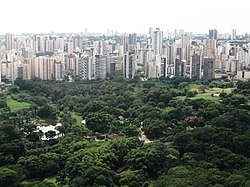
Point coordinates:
[[122, 16]]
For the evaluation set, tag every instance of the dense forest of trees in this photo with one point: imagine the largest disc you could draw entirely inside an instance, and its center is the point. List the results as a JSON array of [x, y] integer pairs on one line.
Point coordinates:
[[193, 140]]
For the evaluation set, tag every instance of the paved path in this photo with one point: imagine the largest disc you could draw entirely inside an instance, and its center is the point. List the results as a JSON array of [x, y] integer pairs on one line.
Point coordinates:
[[142, 136]]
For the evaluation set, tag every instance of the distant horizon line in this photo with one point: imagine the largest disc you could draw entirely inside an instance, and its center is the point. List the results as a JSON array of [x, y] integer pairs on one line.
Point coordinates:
[[124, 32]]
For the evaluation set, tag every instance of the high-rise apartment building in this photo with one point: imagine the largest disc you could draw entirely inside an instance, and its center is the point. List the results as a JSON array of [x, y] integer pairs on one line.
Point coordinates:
[[129, 65], [59, 44], [77, 43], [116, 63], [178, 62], [132, 39], [213, 34], [9, 41], [85, 68], [233, 35], [157, 41], [163, 66], [196, 66], [9, 70], [59, 71], [100, 66], [208, 68], [185, 45], [44, 67]]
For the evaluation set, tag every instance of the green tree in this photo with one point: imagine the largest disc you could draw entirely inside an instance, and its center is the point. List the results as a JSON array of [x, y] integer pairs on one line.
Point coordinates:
[[99, 122], [8, 177], [95, 176], [151, 158], [132, 178], [235, 180], [47, 111]]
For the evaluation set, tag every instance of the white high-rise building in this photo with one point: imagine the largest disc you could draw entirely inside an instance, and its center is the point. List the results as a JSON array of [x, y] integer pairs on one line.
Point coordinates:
[[59, 45], [9, 41], [85, 68], [129, 65], [233, 35], [157, 41], [44, 67]]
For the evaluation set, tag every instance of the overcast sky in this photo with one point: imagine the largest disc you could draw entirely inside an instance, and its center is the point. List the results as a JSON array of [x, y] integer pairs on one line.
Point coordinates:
[[36, 16]]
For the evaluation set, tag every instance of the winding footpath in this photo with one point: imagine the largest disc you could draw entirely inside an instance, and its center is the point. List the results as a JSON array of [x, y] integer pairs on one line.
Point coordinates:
[[142, 135]]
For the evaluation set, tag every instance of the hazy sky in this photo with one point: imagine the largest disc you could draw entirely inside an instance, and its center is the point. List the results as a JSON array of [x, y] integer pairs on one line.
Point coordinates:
[[38, 16]]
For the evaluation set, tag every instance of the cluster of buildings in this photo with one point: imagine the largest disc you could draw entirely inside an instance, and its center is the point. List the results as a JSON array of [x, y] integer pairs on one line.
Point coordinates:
[[152, 55]]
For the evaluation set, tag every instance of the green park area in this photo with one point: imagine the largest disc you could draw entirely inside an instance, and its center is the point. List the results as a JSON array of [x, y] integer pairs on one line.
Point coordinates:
[[206, 92], [164, 132], [15, 105]]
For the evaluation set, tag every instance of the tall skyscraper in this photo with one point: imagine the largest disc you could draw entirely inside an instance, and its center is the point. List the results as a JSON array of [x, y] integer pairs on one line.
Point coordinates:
[[157, 41], [85, 68], [40, 44], [20, 71], [100, 66], [213, 34], [196, 66], [132, 39], [208, 68], [59, 71], [116, 63], [59, 44], [178, 62], [26, 72], [129, 65], [185, 45], [77, 42], [125, 43], [233, 35], [44, 67], [163, 67], [9, 41]]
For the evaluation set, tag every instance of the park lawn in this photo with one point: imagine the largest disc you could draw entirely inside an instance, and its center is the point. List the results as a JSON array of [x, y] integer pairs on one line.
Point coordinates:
[[208, 94], [15, 105], [219, 90], [195, 87], [78, 118]]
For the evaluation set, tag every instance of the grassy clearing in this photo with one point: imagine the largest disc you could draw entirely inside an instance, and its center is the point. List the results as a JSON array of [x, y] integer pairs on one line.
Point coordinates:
[[206, 96], [219, 90], [15, 105], [208, 93], [78, 118]]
